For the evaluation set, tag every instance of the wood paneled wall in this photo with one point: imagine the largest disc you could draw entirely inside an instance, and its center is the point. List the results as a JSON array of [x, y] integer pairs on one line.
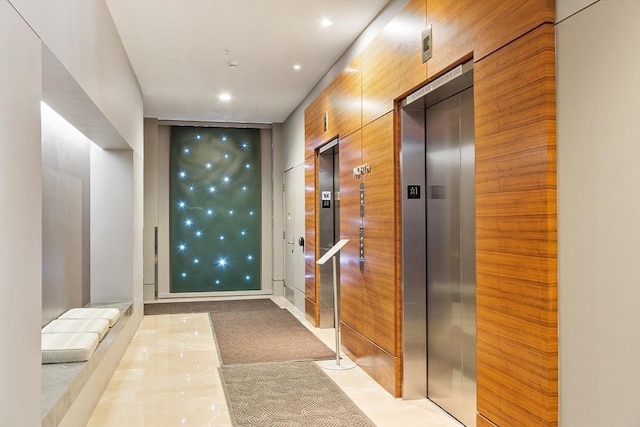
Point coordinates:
[[516, 246], [463, 26], [351, 291], [512, 46], [392, 63]]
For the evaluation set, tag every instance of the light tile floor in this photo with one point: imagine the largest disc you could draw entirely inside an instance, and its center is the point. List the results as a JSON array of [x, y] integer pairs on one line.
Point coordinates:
[[169, 377]]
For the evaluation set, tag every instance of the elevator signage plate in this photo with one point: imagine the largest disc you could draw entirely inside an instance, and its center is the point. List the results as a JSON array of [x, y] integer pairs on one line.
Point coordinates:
[[413, 191], [326, 199], [444, 79]]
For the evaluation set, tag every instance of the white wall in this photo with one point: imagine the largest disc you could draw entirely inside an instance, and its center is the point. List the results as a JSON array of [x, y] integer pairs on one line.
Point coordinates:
[[598, 94], [82, 35], [277, 244], [112, 225], [87, 60], [65, 216], [20, 221], [138, 230], [150, 204]]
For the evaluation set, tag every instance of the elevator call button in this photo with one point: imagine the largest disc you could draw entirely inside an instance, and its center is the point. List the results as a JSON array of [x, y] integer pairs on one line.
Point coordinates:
[[413, 191]]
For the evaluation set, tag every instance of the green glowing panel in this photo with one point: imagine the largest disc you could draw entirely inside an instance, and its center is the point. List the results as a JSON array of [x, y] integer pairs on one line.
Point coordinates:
[[215, 209]]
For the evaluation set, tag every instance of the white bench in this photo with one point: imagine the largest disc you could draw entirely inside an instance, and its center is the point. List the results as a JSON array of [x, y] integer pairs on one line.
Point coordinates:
[[69, 347], [111, 314], [97, 326], [74, 336]]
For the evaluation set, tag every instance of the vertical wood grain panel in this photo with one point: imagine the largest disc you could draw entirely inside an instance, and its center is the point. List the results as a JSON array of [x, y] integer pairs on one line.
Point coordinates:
[[392, 63], [344, 101], [516, 232], [351, 284], [314, 134], [408, 27], [380, 288], [371, 358], [482, 27]]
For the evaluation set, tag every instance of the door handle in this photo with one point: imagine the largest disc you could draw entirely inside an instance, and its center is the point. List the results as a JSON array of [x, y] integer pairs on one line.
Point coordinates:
[[291, 243]]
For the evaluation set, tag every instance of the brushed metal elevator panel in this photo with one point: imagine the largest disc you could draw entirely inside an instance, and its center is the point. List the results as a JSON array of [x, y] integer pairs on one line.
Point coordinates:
[[444, 349], [438, 217], [451, 256], [414, 254]]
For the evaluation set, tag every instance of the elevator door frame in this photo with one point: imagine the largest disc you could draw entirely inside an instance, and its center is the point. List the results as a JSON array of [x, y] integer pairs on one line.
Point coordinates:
[[328, 227], [414, 222]]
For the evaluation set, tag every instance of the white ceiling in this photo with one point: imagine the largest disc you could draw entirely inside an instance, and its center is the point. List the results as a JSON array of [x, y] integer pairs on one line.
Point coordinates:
[[180, 51]]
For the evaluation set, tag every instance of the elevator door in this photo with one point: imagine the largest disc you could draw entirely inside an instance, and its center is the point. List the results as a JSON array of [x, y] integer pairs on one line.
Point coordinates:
[[329, 225], [450, 240]]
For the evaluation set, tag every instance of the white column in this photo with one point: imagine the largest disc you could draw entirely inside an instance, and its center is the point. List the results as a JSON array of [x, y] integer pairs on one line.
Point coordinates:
[[20, 221]]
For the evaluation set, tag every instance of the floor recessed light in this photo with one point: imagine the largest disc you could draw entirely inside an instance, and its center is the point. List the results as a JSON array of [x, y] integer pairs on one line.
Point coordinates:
[[297, 67], [224, 97]]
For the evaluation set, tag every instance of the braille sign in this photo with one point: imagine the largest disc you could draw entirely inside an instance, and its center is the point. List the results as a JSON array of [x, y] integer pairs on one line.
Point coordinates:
[[413, 191]]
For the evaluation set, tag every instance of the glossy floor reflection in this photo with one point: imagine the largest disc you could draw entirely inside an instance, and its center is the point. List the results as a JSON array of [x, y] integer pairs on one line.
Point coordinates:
[[169, 377]]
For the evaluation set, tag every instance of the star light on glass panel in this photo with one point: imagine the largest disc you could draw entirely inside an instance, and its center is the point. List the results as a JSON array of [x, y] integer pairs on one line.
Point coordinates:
[[224, 137], [247, 165], [244, 146], [221, 237], [192, 187], [184, 274], [188, 222], [182, 247], [226, 179], [198, 137], [231, 212], [212, 189], [198, 233], [249, 257], [222, 262], [250, 212], [196, 261], [182, 204], [208, 165], [247, 277], [209, 212], [243, 232], [226, 155], [182, 174], [217, 282], [244, 188], [186, 150]]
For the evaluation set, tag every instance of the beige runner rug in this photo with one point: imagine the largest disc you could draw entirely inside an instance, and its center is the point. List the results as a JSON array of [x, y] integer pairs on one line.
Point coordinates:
[[259, 336], [287, 394]]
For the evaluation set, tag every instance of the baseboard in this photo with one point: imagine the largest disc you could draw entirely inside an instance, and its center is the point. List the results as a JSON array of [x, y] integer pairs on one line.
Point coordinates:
[[375, 361]]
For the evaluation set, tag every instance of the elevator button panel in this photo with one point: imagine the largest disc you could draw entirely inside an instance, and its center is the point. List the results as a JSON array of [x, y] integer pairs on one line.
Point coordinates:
[[362, 199], [361, 248]]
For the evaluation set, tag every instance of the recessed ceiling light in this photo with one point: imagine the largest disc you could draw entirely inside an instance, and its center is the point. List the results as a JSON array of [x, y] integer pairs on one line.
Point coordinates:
[[326, 22], [297, 67], [224, 97]]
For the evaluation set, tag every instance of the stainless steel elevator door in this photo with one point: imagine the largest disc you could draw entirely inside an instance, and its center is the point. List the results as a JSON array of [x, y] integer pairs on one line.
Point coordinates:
[[329, 225], [450, 218]]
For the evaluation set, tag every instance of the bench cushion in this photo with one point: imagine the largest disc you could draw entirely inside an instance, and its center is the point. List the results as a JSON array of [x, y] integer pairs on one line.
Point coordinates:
[[97, 326], [68, 347], [111, 314]]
